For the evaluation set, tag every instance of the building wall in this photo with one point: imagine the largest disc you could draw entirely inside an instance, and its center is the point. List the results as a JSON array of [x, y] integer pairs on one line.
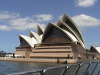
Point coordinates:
[[51, 52], [67, 52], [93, 55], [51, 55], [52, 49], [23, 51]]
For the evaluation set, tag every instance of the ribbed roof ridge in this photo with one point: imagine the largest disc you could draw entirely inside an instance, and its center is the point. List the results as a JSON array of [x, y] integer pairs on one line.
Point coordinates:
[[28, 40], [65, 32], [40, 29], [73, 27], [36, 36], [70, 30]]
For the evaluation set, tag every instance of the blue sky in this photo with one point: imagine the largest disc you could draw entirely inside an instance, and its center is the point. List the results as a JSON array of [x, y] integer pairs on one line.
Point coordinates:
[[20, 16]]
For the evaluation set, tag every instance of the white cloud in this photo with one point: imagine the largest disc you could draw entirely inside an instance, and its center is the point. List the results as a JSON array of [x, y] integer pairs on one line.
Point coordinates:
[[85, 3], [20, 21], [7, 15], [13, 21], [43, 17], [4, 28], [25, 26], [85, 20]]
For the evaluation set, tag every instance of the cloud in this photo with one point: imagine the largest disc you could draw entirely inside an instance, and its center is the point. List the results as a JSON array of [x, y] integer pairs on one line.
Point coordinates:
[[7, 15], [20, 21], [4, 28], [85, 3], [83, 20], [43, 17], [23, 24], [13, 21]]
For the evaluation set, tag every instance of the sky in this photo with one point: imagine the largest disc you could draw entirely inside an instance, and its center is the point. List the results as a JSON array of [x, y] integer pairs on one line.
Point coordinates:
[[19, 17]]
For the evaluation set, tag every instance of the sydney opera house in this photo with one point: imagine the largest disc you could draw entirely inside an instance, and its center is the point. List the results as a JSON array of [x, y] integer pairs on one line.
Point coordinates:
[[60, 40]]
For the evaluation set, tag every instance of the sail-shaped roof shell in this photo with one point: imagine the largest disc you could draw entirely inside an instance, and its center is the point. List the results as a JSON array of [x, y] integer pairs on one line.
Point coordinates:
[[95, 49], [30, 41], [71, 36], [40, 30], [68, 34], [98, 49], [72, 25], [66, 27], [36, 36]]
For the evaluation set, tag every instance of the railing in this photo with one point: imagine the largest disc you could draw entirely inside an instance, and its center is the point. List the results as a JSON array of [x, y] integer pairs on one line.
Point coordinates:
[[85, 68]]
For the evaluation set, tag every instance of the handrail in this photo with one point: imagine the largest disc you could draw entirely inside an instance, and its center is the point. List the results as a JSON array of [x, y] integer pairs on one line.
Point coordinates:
[[65, 69]]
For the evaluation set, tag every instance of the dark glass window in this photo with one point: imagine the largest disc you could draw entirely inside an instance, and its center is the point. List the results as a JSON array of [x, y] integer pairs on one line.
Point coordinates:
[[70, 24], [54, 35]]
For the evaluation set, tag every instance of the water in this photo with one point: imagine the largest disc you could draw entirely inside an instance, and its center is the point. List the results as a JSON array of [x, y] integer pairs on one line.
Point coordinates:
[[13, 67]]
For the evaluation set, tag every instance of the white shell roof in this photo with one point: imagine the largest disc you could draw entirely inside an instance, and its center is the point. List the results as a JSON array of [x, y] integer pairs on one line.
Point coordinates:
[[30, 41], [78, 31], [82, 44], [36, 36], [42, 28], [70, 35], [98, 49], [41, 36], [34, 41], [72, 32], [74, 38]]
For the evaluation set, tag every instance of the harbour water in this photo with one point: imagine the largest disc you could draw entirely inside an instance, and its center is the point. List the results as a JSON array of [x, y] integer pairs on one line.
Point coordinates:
[[13, 67]]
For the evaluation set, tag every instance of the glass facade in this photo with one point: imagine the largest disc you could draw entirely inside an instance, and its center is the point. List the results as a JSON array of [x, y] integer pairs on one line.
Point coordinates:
[[70, 24], [54, 35]]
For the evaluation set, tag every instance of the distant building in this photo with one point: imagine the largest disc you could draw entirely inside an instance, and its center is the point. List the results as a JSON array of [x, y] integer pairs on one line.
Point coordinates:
[[9, 55], [94, 52], [62, 40]]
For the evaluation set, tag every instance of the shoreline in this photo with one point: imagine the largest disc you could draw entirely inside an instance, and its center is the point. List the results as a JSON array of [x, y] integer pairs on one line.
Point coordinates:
[[33, 60]]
